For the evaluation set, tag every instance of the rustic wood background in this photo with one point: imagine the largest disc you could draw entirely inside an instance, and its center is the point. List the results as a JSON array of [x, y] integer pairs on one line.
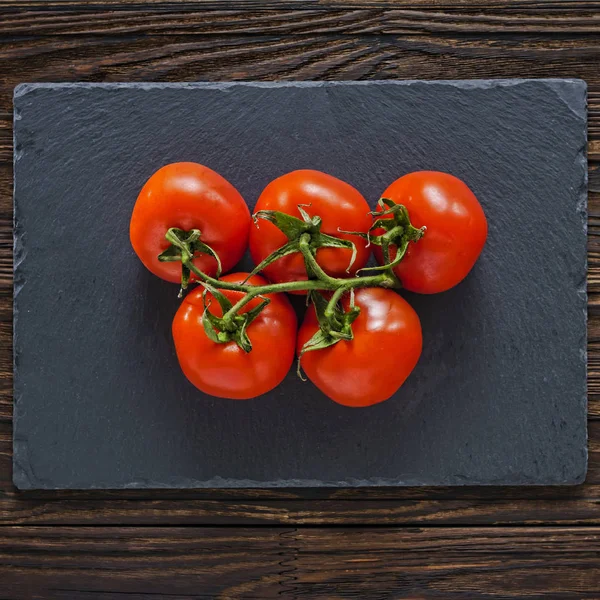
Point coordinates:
[[369, 543]]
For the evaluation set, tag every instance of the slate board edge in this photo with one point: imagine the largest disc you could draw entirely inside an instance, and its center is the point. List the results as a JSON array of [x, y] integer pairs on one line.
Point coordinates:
[[24, 87], [20, 478], [25, 480], [582, 209]]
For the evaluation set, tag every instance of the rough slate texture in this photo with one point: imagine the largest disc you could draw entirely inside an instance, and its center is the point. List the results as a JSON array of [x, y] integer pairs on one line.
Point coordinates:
[[499, 396]]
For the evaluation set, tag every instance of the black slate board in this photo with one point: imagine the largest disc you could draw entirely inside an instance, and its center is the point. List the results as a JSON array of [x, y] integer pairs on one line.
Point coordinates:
[[499, 396]]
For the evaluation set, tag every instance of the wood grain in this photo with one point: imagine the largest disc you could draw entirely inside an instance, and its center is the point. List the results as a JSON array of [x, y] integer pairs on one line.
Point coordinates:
[[281, 19], [191, 562]]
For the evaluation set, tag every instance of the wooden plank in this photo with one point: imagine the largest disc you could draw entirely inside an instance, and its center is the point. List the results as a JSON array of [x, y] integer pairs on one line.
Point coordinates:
[[102, 562], [361, 507], [239, 18], [191, 562]]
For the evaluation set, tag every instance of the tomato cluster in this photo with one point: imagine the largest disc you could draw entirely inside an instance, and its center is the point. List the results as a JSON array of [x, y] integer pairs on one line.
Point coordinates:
[[236, 335]]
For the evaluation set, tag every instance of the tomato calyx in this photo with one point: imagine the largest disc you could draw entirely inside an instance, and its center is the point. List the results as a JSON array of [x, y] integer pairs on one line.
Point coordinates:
[[335, 324], [398, 231], [184, 247], [232, 326], [302, 234]]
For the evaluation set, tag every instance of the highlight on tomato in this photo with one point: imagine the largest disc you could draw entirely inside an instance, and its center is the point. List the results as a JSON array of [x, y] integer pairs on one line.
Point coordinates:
[[385, 346], [214, 361], [200, 207], [456, 230], [334, 206]]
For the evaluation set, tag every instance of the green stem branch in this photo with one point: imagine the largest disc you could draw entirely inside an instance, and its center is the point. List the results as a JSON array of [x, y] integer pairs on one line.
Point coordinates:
[[331, 283], [335, 298], [311, 261]]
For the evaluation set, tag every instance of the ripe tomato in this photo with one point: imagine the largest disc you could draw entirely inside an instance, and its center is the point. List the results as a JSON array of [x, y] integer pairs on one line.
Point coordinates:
[[225, 370], [340, 206], [370, 368], [189, 196], [455, 236]]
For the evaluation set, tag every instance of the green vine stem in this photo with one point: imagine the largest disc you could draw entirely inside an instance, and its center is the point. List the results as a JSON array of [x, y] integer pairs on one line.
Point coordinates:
[[324, 282], [304, 236], [252, 291], [329, 312]]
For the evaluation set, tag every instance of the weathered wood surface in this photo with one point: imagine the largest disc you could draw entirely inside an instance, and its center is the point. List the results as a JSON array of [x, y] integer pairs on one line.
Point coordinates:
[[192, 562]]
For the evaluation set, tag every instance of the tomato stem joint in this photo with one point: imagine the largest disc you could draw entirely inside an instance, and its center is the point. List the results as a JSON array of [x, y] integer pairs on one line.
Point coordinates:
[[398, 231], [233, 325], [296, 230], [335, 324], [185, 245]]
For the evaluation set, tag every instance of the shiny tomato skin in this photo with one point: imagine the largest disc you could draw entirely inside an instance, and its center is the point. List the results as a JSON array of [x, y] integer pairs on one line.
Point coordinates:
[[225, 370], [370, 368], [339, 205], [189, 196], [456, 230]]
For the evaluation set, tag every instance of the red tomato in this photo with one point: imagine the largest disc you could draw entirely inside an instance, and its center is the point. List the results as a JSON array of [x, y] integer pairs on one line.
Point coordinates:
[[455, 236], [370, 368], [189, 196], [225, 370], [339, 205]]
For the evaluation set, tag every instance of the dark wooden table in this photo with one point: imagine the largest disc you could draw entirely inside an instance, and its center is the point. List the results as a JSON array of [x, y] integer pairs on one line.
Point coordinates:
[[368, 543]]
